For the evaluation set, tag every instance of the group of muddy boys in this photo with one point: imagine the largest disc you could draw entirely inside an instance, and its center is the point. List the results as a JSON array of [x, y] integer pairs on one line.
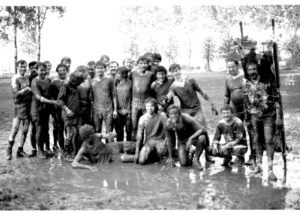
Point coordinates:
[[150, 114]]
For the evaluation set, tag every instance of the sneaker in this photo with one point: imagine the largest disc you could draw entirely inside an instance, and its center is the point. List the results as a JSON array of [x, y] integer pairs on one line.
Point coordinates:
[[9, 153], [49, 153], [272, 176], [33, 153], [41, 155], [21, 153]]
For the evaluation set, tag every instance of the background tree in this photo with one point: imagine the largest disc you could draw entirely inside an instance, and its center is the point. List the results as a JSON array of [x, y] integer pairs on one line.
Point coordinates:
[[13, 17], [209, 50], [36, 17]]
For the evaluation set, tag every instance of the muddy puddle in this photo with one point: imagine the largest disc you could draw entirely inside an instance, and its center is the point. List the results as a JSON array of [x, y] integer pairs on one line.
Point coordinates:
[[53, 184]]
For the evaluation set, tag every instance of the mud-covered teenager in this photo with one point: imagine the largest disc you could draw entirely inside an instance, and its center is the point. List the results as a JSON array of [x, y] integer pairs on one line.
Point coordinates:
[[141, 82], [161, 87], [186, 88], [97, 152], [68, 99], [39, 113], [104, 100], [235, 143], [151, 144], [124, 96], [22, 100], [58, 123], [189, 132]]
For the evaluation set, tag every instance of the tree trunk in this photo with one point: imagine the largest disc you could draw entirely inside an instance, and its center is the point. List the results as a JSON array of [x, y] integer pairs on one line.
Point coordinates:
[[15, 38], [190, 53], [39, 34], [208, 65]]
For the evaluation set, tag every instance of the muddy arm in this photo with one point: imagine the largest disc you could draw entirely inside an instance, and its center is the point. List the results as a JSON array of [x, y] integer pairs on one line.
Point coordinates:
[[76, 162]]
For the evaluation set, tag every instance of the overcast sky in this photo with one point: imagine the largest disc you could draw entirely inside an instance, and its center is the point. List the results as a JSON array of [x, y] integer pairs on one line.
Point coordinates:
[[90, 29]]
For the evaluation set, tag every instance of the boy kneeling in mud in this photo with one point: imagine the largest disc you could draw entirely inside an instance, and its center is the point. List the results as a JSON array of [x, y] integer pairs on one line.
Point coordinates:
[[189, 132], [233, 130], [98, 152]]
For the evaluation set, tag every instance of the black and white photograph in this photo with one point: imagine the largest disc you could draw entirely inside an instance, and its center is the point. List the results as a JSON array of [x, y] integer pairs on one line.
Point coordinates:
[[137, 105]]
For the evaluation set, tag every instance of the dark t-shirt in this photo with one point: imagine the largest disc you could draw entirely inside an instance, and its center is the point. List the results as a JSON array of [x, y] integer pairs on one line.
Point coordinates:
[[187, 94], [55, 88], [39, 87], [98, 152], [186, 128], [102, 94], [141, 85], [22, 101], [69, 97], [124, 89], [231, 132], [18, 83], [234, 90], [161, 90]]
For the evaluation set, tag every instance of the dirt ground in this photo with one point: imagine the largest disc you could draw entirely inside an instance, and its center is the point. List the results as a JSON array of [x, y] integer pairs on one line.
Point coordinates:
[[32, 184]]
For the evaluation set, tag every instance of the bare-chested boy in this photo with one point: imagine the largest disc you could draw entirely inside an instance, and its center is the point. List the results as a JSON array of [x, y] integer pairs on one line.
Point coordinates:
[[151, 136], [103, 97], [22, 100], [141, 91], [84, 90], [189, 132], [58, 123], [124, 96], [39, 112], [97, 152]]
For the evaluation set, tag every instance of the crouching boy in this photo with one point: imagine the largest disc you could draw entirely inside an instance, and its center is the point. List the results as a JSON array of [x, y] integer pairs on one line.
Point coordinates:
[[189, 132], [235, 143]]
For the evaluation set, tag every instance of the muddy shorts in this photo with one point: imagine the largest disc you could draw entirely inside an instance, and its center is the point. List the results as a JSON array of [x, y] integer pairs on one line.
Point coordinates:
[[102, 114], [69, 121], [22, 111], [137, 104], [159, 145], [196, 113]]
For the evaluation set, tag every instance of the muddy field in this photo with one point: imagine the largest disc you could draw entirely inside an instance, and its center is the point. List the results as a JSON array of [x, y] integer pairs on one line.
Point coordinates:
[[52, 184]]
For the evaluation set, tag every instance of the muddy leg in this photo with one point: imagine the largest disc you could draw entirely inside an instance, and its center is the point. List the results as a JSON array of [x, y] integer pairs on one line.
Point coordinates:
[[200, 145], [144, 154], [183, 155], [12, 136], [25, 126], [268, 133]]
